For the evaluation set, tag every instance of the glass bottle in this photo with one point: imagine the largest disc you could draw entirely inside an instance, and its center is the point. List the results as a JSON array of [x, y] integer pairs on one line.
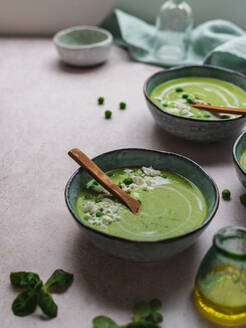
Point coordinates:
[[173, 27], [220, 285]]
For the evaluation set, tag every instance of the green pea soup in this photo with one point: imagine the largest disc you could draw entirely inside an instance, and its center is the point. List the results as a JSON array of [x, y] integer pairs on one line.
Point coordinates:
[[243, 160], [171, 205], [175, 97]]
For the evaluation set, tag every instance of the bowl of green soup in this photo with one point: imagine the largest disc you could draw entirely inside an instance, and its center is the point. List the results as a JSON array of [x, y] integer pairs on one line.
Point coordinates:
[[178, 200], [239, 156], [171, 93]]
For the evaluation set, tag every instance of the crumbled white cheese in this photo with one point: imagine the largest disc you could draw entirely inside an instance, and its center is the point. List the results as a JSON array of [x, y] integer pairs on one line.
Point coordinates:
[[136, 195], [107, 210], [173, 110], [150, 171], [89, 207], [157, 181], [186, 113], [138, 180]]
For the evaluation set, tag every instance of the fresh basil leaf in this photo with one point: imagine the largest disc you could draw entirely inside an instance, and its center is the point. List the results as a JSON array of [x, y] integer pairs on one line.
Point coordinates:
[[24, 279], [142, 324], [104, 322], [25, 303], [155, 317], [47, 304], [59, 278], [155, 304], [141, 310], [38, 286]]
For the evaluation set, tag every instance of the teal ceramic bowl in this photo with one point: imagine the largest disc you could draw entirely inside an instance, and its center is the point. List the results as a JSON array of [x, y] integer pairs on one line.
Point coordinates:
[[83, 45], [238, 148], [195, 129], [144, 250]]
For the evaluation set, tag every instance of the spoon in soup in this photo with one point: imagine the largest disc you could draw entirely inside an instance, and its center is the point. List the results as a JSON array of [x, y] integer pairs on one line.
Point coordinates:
[[220, 109], [83, 160]]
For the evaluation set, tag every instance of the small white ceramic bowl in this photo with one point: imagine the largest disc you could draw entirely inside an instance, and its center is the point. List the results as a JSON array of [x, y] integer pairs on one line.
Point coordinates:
[[83, 45]]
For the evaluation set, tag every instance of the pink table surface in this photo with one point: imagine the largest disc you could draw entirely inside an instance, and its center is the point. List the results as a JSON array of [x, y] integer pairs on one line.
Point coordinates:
[[48, 108]]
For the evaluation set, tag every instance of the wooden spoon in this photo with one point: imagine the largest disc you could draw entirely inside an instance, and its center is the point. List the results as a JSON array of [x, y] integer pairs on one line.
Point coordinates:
[[104, 180], [228, 110]]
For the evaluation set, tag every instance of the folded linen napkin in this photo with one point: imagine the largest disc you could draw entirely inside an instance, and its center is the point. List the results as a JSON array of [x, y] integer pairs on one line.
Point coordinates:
[[216, 42]]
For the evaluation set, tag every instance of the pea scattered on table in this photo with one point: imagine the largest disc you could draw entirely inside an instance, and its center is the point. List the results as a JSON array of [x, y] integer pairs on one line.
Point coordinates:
[[100, 101], [226, 194], [243, 199], [108, 114]]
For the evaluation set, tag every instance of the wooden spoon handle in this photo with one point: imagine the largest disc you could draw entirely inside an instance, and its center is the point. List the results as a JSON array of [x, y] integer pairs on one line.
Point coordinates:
[[84, 161], [228, 110]]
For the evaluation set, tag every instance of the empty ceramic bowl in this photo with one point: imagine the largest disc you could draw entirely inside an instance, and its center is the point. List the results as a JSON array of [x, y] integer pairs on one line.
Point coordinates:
[[190, 128], [83, 45], [136, 249]]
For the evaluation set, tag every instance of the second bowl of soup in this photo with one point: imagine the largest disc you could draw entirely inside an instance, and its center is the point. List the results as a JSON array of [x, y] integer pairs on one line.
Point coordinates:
[[178, 200], [170, 95], [239, 156]]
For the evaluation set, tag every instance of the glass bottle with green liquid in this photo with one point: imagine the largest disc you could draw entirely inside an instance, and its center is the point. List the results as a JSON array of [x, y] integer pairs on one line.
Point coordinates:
[[220, 285]]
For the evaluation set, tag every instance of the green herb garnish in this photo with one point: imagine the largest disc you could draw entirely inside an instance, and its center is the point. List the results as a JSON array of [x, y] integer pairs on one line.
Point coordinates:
[[185, 96], [145, 316], [87, 196], [189, 101], [243, 199], [98, 201], [36, 293], [164, 105], [122, 105], [179, 90], [100, 101], [108, 114], [164, 176], [224, 117], [99, 214], [226, 194], [121, 172], [95, 183], [128, 181], [207, 115], [110, 174]]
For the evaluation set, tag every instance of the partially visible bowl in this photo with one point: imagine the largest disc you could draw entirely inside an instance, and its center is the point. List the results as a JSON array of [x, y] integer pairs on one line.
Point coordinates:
[[144, 250], [83, 45], [195, 129], [238, 148]]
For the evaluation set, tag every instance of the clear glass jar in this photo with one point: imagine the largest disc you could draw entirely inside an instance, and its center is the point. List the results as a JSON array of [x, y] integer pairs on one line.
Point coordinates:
[[220, 285], [173, 27]]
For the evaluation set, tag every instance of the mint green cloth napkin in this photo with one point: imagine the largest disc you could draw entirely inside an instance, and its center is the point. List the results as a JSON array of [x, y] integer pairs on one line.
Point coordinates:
[[215, 42]]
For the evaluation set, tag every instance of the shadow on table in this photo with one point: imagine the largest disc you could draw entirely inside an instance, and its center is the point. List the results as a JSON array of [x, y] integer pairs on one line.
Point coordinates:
[[59, 66], [204, 154], [121, 283]]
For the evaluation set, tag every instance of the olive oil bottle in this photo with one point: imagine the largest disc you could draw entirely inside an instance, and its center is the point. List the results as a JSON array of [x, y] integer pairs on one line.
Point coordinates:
[[220, 286]]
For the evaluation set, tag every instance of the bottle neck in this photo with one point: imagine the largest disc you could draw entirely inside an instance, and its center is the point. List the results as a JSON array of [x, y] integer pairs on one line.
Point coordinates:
[[231, 241], [177, 2]]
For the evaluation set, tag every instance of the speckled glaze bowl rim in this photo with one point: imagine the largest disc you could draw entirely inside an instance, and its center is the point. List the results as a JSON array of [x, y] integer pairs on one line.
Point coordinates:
[[180, 68], [166, 240], [104, 43], [234, 152]]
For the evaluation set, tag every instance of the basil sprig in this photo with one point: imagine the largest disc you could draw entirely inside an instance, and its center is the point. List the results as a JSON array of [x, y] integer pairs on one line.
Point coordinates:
[[36, 293], [146, 315]]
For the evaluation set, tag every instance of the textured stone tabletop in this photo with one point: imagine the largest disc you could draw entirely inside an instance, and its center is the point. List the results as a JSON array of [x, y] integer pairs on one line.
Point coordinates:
[[48, 108]]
